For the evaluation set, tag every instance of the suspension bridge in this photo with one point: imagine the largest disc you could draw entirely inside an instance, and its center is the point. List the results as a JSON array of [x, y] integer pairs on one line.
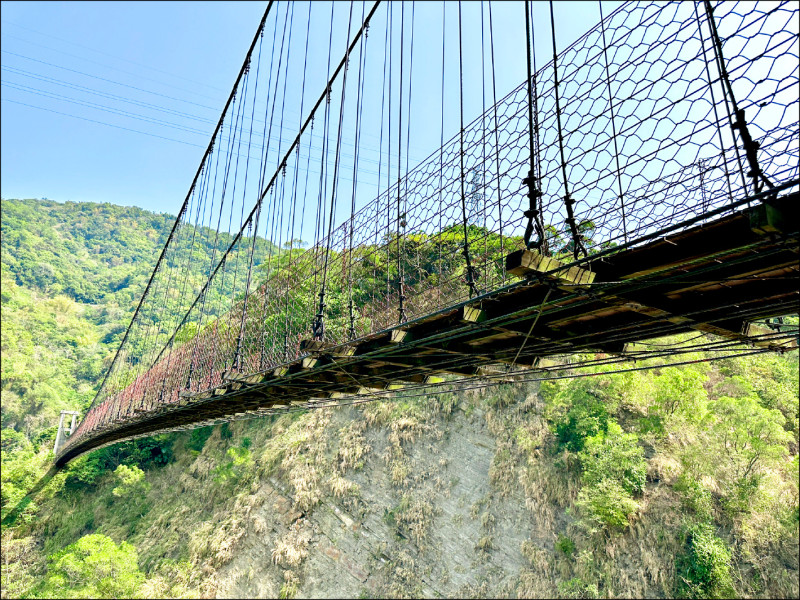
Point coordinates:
[[642, 183]]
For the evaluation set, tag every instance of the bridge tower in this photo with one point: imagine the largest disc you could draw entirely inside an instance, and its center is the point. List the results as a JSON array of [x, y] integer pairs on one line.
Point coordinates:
[[62, 433]]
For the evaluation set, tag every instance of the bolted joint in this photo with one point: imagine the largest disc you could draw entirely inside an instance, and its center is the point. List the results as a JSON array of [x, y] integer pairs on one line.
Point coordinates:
[[530, 181], [318, 328], [237, 359], [754, 171]]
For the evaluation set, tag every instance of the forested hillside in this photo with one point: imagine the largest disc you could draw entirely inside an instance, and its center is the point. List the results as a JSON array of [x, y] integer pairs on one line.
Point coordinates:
[[71, 274], [677, 481]]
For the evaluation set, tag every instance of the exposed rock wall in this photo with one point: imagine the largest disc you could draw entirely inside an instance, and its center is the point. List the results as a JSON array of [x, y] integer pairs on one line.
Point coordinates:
[[446, 506]]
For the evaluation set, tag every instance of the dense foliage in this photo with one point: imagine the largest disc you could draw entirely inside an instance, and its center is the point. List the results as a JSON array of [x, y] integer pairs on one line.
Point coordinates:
[[704, 570], [71, 275], [725, 433], [92, 567]]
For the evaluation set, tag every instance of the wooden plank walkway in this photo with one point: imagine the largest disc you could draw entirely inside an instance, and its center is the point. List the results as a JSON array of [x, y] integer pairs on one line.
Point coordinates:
[[714, 278]]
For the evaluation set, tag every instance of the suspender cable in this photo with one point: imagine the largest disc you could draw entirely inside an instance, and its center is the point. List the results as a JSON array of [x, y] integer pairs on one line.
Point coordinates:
[[400, 217], [441, 160], [283, 172], [242, 224], [533, 214], [390, 16], [311, 133], [404, 222], [613, 123], [470, 274], [157, 314], [213, 255], [158, 318], [380, 147], [714, 104], [232, 137], [198, 224], [482, 196], [278, 267], [207, 240], [351, 332], [230, 313], [273, 207], [577, 244], [267, 137], [748, 143], [237, 357], [537, 144], [320, 326], [496, 142], [296, 175], [318, 323]]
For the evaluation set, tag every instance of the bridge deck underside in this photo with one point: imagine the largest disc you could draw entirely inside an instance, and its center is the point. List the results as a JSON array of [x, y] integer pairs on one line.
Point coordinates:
[[712, 278]]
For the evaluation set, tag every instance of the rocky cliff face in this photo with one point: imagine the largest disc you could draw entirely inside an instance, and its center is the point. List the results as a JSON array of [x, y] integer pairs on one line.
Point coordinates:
[[426, 519], [436, 499]]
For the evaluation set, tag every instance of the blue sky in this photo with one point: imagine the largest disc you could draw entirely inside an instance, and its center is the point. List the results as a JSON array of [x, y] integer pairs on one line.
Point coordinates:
[[182, 57], [116, 101]]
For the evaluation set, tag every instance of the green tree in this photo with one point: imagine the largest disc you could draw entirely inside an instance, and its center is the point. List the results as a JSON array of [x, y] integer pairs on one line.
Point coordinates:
[[749, 435], [616, 456], [704, 569], [587, 416], [748, 438], [131, 481], [680, 391], [92, 567], [607, 504]]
